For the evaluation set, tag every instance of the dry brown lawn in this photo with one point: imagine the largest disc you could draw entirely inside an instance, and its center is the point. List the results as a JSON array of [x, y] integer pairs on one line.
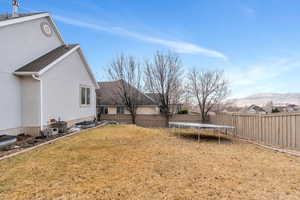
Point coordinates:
[[128, 162]]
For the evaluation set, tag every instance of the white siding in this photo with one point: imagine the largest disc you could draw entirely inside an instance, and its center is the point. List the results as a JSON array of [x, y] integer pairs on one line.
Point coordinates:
[[30, 90], [23, 42], [10, 105], [20, 44], [148, 110], [61, 90]]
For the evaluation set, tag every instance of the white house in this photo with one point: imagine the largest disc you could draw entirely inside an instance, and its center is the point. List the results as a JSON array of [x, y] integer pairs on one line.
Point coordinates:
[[41, 77]]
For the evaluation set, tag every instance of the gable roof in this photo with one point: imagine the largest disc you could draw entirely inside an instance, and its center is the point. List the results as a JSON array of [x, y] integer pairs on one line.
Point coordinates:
[[256, 108], [42, 62], [47, 61], [154, 97], [7, 19], [4, 17], [108, 94]]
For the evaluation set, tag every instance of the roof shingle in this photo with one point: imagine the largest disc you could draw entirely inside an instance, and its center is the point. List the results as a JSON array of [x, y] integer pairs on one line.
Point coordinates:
[[43, 61], [154, 96], [108, 94]]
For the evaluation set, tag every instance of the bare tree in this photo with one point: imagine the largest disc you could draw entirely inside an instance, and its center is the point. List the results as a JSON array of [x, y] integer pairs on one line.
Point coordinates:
[[127, 70], [209, 88], [163, 78]]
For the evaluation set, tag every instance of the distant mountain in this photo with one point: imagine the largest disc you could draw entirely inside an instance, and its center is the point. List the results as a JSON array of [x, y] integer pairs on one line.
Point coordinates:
[[263, 98]]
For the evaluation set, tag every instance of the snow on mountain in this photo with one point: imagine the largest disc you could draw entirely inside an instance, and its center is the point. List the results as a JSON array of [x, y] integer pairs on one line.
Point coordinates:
[[263, 98]]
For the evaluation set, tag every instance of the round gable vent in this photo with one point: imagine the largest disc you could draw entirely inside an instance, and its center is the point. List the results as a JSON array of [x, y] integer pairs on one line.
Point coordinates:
[[46, 29]]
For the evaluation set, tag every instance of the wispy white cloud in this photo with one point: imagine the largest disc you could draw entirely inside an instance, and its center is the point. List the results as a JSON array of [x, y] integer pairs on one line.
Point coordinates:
[[264, 71], [262, 77], [178, 46]]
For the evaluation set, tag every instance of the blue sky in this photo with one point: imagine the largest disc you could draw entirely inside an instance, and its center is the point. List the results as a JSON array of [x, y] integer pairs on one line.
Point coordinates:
[[256, 42]]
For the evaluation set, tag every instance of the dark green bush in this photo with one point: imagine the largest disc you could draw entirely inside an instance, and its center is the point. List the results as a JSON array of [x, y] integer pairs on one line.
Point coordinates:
[[275, 110], [183, 112]]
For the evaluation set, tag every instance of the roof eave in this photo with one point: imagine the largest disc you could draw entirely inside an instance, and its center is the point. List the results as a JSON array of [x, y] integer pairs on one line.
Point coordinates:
[[22, 19], [88, 68], [26, 73], [48, 67], [56, 29], [58, 60], [32, 17]]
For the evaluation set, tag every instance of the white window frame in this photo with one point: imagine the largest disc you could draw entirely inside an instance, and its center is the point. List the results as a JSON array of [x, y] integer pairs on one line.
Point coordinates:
[[85, 96]]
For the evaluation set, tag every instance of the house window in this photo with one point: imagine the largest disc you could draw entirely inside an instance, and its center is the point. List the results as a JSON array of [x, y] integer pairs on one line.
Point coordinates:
[[104, 110], [120, 110], [82, 96], [88, 96], [85, 96]]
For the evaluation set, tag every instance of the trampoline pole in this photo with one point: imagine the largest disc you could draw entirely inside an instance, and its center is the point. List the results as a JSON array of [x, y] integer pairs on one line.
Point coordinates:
[[219, 137]]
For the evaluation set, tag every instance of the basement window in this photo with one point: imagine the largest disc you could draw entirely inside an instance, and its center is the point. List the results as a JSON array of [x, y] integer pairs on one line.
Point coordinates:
[[85, 96]]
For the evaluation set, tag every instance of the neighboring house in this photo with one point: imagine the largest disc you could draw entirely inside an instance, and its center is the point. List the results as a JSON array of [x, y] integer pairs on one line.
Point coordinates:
[[254, 109], [110, 102], [286, 108], [231, 109], [281, 108], [175, 108], [292, 108], [41, 77], [191, 108]]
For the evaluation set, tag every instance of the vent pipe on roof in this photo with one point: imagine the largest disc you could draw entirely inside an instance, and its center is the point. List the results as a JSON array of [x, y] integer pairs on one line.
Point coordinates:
[[16, 5]]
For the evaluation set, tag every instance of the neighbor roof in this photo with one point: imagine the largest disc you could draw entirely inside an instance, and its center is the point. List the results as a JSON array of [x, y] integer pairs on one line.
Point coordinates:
[[45, 60], [108, 94], [154, 97], [256, 108]]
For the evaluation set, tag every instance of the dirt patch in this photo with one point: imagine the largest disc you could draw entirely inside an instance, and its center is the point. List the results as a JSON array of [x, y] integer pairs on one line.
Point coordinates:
[[128, 162]]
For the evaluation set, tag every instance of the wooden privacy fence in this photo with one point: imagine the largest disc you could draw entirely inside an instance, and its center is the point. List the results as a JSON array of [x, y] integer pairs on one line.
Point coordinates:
[[281, 130]]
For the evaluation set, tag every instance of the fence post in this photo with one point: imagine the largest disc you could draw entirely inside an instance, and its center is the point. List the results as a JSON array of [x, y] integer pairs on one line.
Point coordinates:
[[235, 125], [273, 129], [261, 129]]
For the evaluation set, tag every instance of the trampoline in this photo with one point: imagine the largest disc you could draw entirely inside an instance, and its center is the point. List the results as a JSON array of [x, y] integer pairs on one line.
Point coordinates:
[[198, 126]]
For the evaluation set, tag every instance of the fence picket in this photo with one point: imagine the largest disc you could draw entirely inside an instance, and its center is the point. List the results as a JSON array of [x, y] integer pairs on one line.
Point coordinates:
[[281, 129]]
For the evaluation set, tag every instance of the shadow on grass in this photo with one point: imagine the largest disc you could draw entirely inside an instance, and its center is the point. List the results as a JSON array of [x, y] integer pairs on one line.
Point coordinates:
[[203, 137]]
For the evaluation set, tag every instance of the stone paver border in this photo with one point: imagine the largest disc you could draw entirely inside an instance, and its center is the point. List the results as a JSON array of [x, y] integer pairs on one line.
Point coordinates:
[[48, 142]]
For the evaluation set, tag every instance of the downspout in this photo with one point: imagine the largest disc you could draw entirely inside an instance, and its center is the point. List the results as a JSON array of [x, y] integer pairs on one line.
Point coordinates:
[[36, 77]]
